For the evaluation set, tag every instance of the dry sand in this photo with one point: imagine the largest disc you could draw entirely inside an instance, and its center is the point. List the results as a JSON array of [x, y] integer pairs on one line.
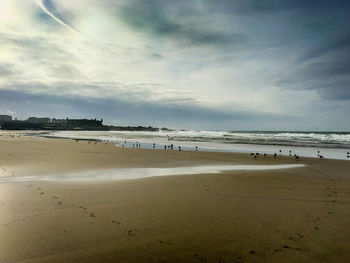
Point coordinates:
[[294, 215]]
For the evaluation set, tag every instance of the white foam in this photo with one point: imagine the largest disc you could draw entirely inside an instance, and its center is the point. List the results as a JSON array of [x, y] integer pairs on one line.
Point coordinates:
[[137, 173], [302, 144]]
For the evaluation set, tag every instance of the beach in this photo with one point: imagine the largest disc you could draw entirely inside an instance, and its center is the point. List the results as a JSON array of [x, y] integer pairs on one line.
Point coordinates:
[[291, 215]]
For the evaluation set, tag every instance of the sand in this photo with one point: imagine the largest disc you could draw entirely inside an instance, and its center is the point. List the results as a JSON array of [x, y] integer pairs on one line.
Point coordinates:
[[294, 215]]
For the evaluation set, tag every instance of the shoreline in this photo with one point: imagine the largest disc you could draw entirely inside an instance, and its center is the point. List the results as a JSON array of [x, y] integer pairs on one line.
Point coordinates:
[[331, 152], [84, 156], [291, 215], [304, 151]]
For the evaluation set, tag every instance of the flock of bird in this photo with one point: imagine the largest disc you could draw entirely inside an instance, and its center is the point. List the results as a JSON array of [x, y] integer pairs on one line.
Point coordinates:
[[172, 147], [255, 155], [297, 157]]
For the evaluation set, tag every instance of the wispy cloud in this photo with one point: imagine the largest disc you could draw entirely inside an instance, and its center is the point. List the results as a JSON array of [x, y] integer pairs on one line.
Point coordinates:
[[48, 7]]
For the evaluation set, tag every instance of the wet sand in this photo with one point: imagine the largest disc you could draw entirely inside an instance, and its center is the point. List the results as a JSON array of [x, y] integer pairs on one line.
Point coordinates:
[[293, 215]]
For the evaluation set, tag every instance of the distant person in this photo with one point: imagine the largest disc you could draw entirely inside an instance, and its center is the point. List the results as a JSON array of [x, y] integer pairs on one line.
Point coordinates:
[[280, 151], [164, 147], [154, 145], [196, 148], [275, 155], [179, 148], [264, 154], [171, 146]]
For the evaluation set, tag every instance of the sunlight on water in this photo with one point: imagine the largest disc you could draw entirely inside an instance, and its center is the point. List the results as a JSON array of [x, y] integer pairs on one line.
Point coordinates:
[[136, 173]]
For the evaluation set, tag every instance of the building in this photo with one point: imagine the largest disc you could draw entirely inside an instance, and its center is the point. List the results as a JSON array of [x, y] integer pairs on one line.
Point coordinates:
[[54, 120], [38, 120], [84, 122], [5, 118], [34, 123]]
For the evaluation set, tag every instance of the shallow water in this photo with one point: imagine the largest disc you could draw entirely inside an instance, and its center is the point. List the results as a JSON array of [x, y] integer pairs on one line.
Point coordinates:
[[136, 173], [331, 146]]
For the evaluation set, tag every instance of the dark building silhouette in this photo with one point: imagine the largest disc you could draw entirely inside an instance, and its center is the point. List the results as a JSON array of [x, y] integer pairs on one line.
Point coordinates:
[[5, 118], [84, 122], [38, 120], [45, 123]]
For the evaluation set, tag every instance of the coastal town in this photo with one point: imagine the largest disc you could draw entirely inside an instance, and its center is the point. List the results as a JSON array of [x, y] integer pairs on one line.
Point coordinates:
[[45, 123]]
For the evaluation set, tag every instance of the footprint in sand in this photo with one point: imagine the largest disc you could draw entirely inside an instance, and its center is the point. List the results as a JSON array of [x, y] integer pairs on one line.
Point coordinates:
[[42, 193], [293, 248], [203, 259], [92, 215], [300, 235], [131, 233]]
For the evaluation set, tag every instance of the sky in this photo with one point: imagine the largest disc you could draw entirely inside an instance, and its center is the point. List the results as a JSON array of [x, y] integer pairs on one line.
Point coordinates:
[[192, 64]]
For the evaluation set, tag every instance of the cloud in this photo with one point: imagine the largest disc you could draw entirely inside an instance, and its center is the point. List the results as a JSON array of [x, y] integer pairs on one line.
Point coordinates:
[[6, 70], [121, 111], [330, 79], [339, 45], [179, 21], [118, 109], [272, 6], [206, 63], [49, 8]]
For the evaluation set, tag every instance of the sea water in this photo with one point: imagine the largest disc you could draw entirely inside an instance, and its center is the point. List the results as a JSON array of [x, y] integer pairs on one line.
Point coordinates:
[[333, 145]]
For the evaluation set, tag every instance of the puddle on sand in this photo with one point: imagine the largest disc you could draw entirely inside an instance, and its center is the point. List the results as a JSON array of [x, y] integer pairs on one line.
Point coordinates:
[[136, 173]]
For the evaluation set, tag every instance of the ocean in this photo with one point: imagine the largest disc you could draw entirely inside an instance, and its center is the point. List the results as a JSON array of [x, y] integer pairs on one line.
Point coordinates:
[[333, 145]]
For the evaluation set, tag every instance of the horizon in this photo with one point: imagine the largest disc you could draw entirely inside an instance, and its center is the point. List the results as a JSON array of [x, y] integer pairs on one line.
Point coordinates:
[[233, 65], [180, 129], [184, 129]]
